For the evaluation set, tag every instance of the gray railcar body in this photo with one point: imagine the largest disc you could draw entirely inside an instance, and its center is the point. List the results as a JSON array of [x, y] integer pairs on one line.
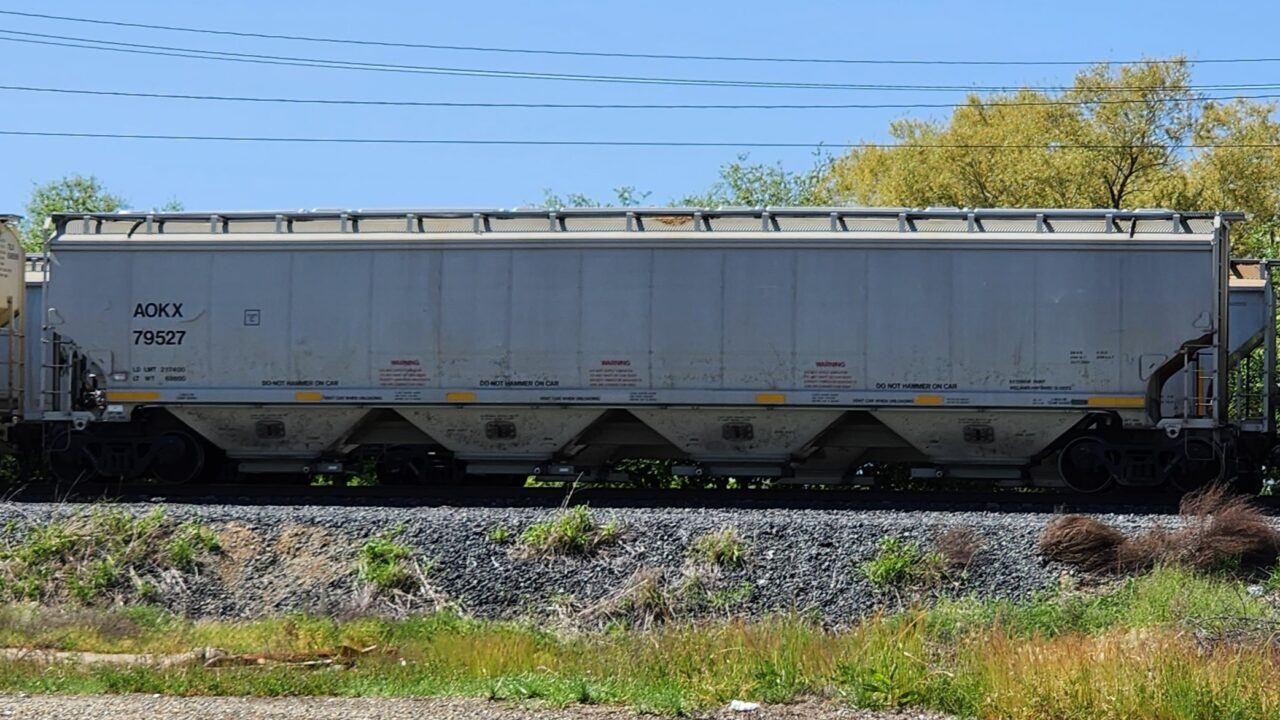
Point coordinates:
[[791, 342]]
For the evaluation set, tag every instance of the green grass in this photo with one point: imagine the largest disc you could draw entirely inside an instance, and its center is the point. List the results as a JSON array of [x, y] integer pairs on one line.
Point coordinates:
[[387, 564], [901, 565], [500, 535], [723, 548], [98, 556], [574, 531], [1166, 597], [190, 542], [1272, 582], [1127, 653]]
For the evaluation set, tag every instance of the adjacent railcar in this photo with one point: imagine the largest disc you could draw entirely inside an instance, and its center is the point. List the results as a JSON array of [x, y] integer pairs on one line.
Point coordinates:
[[1086, 347], [13, 318]]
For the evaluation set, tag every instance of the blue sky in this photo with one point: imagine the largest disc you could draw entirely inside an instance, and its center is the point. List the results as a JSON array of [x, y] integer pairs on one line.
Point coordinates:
[[233, 176]]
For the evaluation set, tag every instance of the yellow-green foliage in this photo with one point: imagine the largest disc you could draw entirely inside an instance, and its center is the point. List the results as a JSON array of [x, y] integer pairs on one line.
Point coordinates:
[[98, 555], [574, 531], [1075, 148], [900, 565], [499, 535], [723, 548], [1129, 653], [387, 564]]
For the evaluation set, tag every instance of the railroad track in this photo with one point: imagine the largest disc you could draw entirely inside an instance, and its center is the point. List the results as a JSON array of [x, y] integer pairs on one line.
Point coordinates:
[[998, 501]]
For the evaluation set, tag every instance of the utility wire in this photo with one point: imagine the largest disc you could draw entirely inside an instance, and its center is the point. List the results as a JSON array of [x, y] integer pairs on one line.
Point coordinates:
[[614, 106], [259, 59], [631, 143], [631, 55]]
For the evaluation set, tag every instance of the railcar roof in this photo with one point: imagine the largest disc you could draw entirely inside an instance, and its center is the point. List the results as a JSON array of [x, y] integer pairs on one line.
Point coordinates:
[[805, 210], [650, 219]]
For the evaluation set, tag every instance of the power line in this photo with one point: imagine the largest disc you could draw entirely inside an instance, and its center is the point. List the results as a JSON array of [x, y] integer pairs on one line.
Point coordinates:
[[630, 143], [612, 106], [260, 59], [610, 54]]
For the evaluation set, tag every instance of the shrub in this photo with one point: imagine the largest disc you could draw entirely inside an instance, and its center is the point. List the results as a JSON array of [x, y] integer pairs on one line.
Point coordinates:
[[1224, 529], [1220, 531], [1081, 541], [570, 532], [99, 556], [387, 564], [1146, 550], [11, 470], [722, 548], [902, 565], [958, 545]]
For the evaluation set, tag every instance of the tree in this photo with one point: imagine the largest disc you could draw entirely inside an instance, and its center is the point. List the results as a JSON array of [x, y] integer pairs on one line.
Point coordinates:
[[1121, 137], [1111, 140], [625, 196], [1035, 171], [72, 193], [742, 183], [1134, 146], [1241, 173]]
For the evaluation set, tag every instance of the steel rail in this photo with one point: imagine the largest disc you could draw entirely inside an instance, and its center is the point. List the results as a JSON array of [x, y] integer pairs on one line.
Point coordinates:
[[835, 499]]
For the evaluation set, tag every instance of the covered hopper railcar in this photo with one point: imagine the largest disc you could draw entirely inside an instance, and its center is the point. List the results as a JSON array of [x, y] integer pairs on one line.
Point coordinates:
[[1085, 347]]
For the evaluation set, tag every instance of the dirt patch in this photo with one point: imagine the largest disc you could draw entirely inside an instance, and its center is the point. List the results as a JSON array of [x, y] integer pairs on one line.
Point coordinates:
[[303, 566], [239, 546], [309, 555]]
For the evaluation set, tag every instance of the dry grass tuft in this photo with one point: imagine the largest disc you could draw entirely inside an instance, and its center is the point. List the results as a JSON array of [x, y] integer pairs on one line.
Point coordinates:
[[1221, 530], [643, 601], [958, 545], [66, 623], [1146, 550], [1084, 542], [651, 597]]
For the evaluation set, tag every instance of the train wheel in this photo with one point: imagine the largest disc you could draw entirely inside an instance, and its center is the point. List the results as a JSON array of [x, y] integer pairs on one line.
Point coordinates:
[[1196, 463], [177, 458], [1084, 466], [70, 460]]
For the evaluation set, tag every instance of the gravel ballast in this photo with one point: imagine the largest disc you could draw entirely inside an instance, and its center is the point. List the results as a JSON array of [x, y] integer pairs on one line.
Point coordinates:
[[277, 559], [131, 707]]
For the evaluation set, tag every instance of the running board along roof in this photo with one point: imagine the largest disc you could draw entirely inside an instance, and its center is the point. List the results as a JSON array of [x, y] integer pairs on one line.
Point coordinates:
[[780, 219]]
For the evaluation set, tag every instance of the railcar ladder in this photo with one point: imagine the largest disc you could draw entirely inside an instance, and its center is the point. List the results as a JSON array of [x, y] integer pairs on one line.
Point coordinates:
[[1252, 372]]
